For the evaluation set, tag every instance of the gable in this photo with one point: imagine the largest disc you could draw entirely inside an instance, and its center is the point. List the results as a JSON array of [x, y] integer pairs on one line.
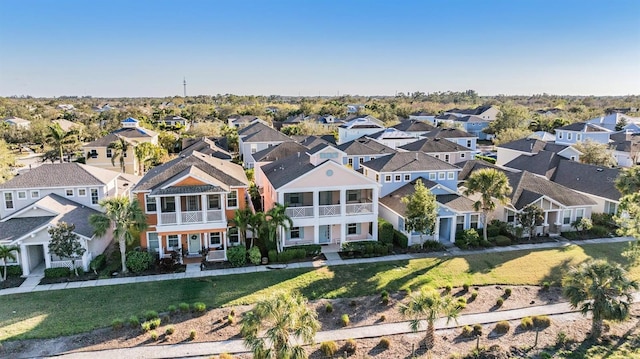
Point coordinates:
[[35, 212], [189, 181], [329, 174]]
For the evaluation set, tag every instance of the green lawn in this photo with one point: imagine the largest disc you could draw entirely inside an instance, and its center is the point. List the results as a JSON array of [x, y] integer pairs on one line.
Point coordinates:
[[64, 312]]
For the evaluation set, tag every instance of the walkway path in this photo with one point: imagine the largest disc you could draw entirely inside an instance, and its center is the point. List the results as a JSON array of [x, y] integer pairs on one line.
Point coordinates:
[[193, 270], [560, 311]]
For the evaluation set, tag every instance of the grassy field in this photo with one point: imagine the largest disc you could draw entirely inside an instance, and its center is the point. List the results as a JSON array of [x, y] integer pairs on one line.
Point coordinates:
[[64, 312]]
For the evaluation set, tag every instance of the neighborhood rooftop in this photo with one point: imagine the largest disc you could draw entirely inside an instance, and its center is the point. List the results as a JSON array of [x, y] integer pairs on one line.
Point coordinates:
[[61, 175], [407, 161]]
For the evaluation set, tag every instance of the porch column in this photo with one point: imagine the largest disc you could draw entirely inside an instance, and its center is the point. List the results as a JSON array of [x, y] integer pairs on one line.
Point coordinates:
[[223, 236], [178, 209], [203, 207], [158, 211], [24, 260], [436, 231], [47, 256], [316, 233], [160, 251], [343, 233], [316, 204], [343, 202], [374, 230], [546, 218], [374, 204], [452, 232]]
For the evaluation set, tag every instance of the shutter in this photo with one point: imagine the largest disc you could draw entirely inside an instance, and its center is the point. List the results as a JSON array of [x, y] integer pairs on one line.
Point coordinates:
[[301, 231], [358, 228], [287, 234]]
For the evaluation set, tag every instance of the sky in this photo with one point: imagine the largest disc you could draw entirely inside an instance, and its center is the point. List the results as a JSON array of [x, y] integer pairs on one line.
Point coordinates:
[[142, 48]]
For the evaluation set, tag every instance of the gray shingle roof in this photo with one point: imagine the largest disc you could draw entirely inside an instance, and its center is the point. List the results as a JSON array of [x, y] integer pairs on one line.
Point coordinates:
[[470, 111], [283, 171], [448, 133], [454, 201], [61, 175], [208, 147], [259, 132], [430, 145], [596, 180], [129, 133], [528, 188], [227, 173], [274, 153], [187, 190], [364, 147], [414, 126], [408, 161], [583, 127], [69, 212], [312, 141], [529, 145], [15, 228], [542, 163]]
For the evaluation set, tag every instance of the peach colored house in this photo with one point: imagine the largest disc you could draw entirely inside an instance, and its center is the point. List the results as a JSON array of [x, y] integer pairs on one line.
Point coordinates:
[[189, 202]]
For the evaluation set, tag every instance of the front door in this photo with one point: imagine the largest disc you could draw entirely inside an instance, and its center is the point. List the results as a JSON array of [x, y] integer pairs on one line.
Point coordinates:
[[324, 236], [445, 230], [194, 243]]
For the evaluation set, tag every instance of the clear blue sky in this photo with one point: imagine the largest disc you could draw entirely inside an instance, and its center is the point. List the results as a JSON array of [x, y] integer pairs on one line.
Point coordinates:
[[144, 48]]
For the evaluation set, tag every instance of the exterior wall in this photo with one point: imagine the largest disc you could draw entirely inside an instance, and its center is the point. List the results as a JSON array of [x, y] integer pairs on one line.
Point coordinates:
[[562, 137], [356, 160], [468, 142], [346, 135], [623, 158], [396, 142], [102, 161], [506, 155], [454, 157], [388, 187], [246, 153], [429, 119], [475, 128], [19, 204]]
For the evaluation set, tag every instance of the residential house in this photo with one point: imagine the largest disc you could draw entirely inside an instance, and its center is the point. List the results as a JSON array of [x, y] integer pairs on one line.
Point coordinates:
[[174, 121], [99, 153], [561, 205], [103, 108], [423, 117], [17, 122], [275, 153], [543, 163], [455, 212], [543, 136], [355, 108], [241, 121], [67, 125], [214, 147], [548, 112], [395, 170], [392, 137], [188, 203], [611, 121], [358, 127], [326, 121], [328, 202], [488, 113], [447, 151], [455, 135], [255, 138], [312, 141], [65, 107], [415, 127], [581, 132], [507, 152], [626, 148], [362, 150]]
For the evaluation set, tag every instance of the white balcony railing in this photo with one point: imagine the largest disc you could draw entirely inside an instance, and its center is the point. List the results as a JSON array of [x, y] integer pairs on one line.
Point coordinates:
[[214, 215], [191, 217], [168, 218], [329, 210], [66, 264], [359, 208], [300, 212]]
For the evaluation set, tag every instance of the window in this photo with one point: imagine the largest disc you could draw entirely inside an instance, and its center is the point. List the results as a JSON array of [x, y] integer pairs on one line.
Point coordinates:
[[436, 156], [353, 228], [232, 199], [353, 196], [569, 135], [94, 196], [350, 162], [407, 178], [459, 223], [215, 240], [192, 203], [234, 238], [468, 143], [361, 160], [150, 203], [294, 200], [461, 154], [579, 137], [69, 192], [35, 194], [254, 148], [432, 176], [511, 216], [397, 178], [295, 233], [168, 204], [377, 177], [573, 158], [214, 201], [387, 178], [610, 207], [93, 154], [109, 153], [22, 195], [8, 200], [451, 175], [441, 175], [446, 157], [560, 134], [579, 214], [172, 242], [474, 221], [566, 217], [153, 244], [82, 192]]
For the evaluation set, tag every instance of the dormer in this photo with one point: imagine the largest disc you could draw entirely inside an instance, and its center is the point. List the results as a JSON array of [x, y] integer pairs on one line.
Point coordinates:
[[321, 153], [130, 122]]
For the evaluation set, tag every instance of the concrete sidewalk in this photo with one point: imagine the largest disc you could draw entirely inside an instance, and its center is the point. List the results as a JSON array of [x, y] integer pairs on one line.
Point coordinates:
[[31, 284]]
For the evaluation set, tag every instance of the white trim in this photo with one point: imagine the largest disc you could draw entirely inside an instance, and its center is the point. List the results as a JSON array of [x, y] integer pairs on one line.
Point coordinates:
[[82, 189], [23, 192], [31, 192], [66, 193]]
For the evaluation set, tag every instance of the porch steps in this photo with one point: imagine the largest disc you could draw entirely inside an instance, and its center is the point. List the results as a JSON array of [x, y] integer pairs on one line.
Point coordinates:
[[332, 256]]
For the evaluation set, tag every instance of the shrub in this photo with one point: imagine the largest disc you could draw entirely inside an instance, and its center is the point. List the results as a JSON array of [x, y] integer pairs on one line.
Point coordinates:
[[462, 302], [154, 335], [225, 356], [273, 256], [231, 319], [350, 346], [384, 294], [561, 339], [150, 314], [328, 308], [98, 263], [385, 232], [117, 323], [493, 231], [134, 321], [199, 307], [433, 246], [448, 288], [385, 300], [499, 302], [474, 295], [467, 331], [546, 285], [383, 318], [467, 238], [507, 292], [172, 309], [400, 240], [599, 231], [465, 287], [57, 272], [344, 319], [502, 327], [310, 250], [502, 241], [255, 257], [139, 261], [192, 334], [486, 158], [385, 343], [477, 329], [184, 307], [329, 348], [541, 321], [145, 326], [602, 219], [526, 323], [13, 271], [237, 256], [170, 330], [154, 323]]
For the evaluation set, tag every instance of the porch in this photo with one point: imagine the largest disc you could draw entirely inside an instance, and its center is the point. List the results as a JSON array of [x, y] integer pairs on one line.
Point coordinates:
[[190, 244], [190, 209], [330, 234], [322, 204]]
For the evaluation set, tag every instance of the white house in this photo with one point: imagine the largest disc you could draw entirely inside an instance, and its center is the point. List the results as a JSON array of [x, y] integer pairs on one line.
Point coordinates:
[[392, 137], [17, 122], [255, 138], [358, 127], [581, 132]]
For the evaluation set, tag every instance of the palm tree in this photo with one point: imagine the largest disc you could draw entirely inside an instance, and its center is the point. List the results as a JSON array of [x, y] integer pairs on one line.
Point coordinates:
[[124, 216], [283, 317], [6, 253], [428, 303], [492, 185], [241, 220], [59, 138], [120, 148], [276, 219], [601, 288]]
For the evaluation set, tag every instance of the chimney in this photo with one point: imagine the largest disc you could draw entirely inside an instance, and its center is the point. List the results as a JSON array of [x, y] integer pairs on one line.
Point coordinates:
[[416, 156]]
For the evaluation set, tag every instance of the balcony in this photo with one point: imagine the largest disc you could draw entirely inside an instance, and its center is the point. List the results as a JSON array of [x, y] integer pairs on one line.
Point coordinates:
[[329, 210], [300, 212], [359, 208], [191, 217]]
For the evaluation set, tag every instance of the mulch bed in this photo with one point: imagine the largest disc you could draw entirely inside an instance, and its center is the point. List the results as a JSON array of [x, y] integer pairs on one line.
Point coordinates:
[[12, 282], [227, 265], [181, 268]]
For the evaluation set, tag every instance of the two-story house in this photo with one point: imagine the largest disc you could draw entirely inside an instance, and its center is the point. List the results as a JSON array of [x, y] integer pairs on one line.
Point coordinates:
[[509, 151], [274, 153], [626, 147], [397, 169], [454, 135], [188, 203], [242, 121], [392, 137], [362, 150], [100, 154], [447, 151], [328, 202], [255, 138], [358, 127], [417, 128], [488, 113], [581, 132], [422, 116], [175, 121]]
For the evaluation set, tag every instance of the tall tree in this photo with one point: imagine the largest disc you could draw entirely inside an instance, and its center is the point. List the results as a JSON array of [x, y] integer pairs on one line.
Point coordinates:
[[148, 155], [510, 134], [628, 182], [510, 116], [286, 320], [7, 253], [241, 220], [65, 243], [59, 138], [276, 219], [595, 153], [124, 217], [602, 289], [422, 210], [530, 217], [628, 216], [120, 147], [429, 305], [7, 162], [493, 186]]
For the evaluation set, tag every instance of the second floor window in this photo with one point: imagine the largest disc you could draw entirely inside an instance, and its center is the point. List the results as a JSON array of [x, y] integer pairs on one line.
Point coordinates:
[[232, 199], [150, 202], [214, 201], [94, 196], [109, 153], [8, 200]]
